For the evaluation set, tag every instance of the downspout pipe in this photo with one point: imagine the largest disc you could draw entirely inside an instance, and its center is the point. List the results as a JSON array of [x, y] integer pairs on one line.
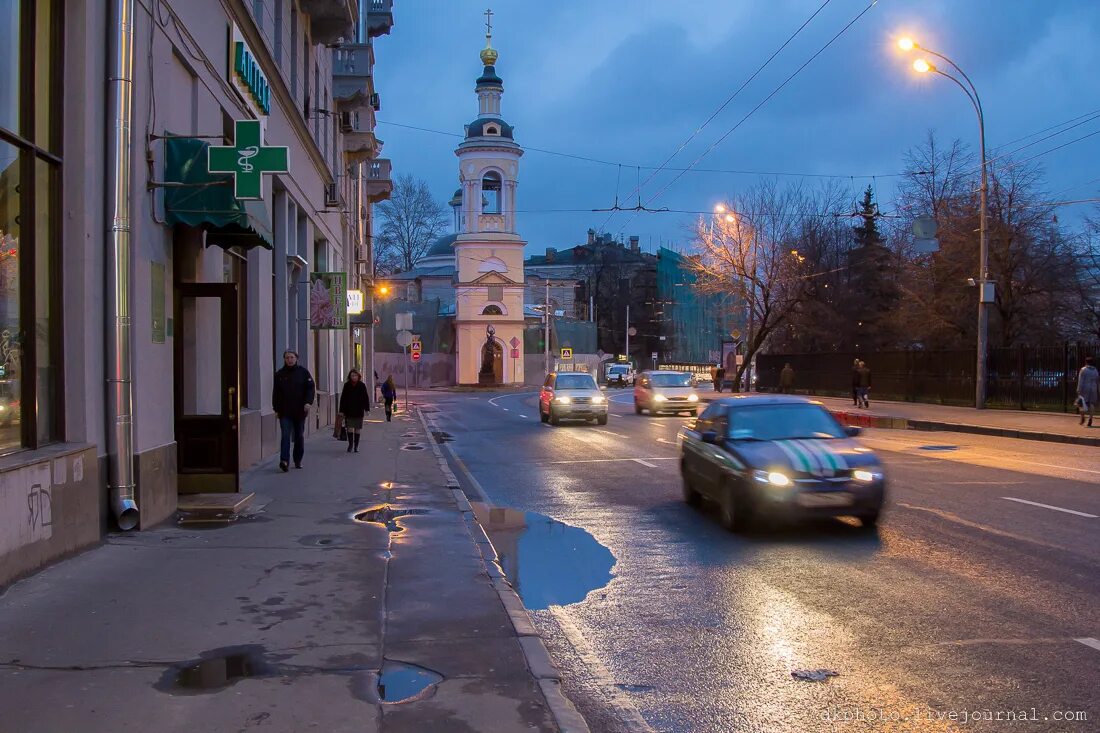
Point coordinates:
[[120, 428]]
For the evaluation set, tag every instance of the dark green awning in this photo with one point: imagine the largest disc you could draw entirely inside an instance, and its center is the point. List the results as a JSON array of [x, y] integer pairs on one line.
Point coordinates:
[[206, 200]]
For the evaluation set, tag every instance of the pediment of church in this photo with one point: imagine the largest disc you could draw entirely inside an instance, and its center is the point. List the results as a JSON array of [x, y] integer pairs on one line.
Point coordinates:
[[493, 278]]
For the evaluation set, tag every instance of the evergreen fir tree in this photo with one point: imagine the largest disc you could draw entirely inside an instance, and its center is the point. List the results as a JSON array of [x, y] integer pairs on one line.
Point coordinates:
[[872, 285]]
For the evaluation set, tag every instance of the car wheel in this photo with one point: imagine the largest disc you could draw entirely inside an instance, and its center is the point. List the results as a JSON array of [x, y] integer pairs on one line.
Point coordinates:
[[602, 419], [637, 408], [691, 496], [735, 511], [554, 417], [543, 416], [869, 521]]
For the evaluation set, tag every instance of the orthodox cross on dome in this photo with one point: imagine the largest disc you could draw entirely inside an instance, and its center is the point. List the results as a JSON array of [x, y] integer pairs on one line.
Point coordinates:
[[488, 54]]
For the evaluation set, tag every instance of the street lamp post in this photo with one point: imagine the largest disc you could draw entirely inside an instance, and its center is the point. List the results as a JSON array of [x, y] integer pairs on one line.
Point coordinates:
[[985, 286]]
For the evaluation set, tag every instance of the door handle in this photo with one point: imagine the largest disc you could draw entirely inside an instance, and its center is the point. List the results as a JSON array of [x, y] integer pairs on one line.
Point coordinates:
[[233, 407]]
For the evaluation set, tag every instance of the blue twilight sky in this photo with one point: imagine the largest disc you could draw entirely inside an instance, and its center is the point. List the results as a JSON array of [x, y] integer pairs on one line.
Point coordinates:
[[628, 82]]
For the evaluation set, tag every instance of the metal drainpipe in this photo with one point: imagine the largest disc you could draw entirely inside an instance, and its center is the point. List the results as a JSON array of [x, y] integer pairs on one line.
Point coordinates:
[[120, 432]]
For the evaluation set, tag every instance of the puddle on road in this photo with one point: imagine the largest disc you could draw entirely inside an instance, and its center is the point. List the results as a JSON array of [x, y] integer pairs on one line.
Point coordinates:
[[387, 516], [215, 670], [412, 446], [548, 562], [442, 437], [401, 681]]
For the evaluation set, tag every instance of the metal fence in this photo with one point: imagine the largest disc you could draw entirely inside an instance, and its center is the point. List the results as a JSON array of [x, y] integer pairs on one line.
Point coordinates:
[[1019, 378]]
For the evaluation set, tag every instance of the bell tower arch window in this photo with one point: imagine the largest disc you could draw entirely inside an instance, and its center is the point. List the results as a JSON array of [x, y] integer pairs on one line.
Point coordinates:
[[491, 193]]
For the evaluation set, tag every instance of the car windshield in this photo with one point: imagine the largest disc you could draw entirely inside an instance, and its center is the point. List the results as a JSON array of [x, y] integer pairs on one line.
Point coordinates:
[[671, 380], [617, 370], [575, 381], [782, 422]]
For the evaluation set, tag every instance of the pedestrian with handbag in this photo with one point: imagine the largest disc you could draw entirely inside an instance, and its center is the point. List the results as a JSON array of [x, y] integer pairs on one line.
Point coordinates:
[[354, 404]]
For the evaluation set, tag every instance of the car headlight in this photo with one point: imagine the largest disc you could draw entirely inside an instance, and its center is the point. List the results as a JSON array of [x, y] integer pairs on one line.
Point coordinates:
[[659, 398], [599, 399], [865, 476], [775, 478], [562, 400], [693, 397]]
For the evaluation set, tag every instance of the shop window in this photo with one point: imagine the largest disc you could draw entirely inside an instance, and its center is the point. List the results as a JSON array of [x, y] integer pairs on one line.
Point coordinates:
[[30, 179]]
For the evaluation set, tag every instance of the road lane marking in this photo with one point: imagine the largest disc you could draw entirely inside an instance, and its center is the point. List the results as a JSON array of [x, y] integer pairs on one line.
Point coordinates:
[[608, 432], [1089, 641], [493, 401], [670, 442], [611, 460], [623, 707], [955, 518], [1055, 508], [523, 416], [645, 463], [505, 409]]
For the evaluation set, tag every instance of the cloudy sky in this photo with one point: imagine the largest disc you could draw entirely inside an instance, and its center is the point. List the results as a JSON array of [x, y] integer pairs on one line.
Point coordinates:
[[627, 82]]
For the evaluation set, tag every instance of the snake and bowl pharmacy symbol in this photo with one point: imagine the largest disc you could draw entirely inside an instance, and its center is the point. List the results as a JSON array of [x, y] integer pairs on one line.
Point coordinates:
[[248, 159]]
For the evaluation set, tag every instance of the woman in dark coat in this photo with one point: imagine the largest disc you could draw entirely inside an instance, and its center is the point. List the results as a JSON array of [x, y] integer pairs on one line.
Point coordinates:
[[389, 394], [354, 404]]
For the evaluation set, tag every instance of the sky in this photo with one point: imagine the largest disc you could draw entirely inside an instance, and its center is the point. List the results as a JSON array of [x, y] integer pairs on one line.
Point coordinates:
[[627, 83]]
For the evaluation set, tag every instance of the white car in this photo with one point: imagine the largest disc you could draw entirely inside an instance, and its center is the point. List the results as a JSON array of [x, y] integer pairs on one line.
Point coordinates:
[[620, 375], [662, 391], [572, 396]]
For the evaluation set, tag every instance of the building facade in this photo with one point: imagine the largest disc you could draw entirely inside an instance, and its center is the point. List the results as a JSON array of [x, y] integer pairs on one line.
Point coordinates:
[[145, 303]]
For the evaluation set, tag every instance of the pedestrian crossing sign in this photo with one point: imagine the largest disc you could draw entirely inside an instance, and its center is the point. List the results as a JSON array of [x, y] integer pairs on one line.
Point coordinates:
[[567, 354]]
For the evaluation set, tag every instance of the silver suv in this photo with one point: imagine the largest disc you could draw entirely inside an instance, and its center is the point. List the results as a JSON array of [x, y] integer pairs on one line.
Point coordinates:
[[572, 396]]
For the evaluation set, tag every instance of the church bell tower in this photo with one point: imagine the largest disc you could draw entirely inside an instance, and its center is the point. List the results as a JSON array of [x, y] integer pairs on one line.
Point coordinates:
[[489, 251]]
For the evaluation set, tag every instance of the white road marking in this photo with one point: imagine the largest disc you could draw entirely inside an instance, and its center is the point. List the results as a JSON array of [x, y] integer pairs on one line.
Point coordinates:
[[608, 432], [1048, 506], [611, 460], [505, 409], [1089, 641], [523, 416], [670, 442], [493, 401], [647, 464], [619, 699]]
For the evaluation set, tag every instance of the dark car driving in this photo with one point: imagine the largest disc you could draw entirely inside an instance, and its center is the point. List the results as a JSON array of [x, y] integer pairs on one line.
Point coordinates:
[[760, 456]]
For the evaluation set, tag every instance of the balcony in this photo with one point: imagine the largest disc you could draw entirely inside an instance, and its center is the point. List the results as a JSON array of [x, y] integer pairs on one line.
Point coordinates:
[[379, 17], [331, 20], [352, 81], [377, 183], [360, 145]]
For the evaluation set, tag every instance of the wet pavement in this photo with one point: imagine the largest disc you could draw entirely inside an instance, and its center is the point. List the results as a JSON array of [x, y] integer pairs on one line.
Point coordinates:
[[963, 601]]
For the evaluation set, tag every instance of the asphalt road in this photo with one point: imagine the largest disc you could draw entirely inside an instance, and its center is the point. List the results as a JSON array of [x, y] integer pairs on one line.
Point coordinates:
[[979, 593]]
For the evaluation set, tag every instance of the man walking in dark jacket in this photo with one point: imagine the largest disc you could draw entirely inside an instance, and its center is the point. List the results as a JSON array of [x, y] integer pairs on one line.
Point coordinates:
[[291, 397]]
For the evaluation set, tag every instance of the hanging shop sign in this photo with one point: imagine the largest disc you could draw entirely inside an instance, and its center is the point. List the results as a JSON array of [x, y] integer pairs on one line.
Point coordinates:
[[328, 300], [248, 159], [355, 302]]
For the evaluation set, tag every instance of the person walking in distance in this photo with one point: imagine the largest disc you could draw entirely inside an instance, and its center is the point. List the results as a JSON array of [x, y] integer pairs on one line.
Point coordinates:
[[354, 404], [864, 383], [389, 394], [855, 383], [786, 379], [1088, 389], [291, 397]]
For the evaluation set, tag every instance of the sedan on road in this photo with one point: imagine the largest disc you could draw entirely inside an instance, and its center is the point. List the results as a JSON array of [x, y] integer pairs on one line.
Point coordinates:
[[665, 391], [779, 456], [572, 396]]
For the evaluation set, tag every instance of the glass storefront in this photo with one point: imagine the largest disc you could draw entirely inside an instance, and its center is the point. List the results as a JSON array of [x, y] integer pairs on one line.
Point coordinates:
[[30, 179]]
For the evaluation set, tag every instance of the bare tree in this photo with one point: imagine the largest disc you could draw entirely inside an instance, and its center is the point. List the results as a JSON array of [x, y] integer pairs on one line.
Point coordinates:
[[411, 221], [747, 252]]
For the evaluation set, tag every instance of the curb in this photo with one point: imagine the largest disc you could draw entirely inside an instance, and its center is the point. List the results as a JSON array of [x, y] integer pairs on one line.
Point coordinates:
[[900, 423], [535, 653]]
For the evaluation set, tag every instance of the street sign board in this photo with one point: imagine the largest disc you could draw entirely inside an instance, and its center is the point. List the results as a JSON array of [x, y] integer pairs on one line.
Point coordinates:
[[328, 300], [653, 355], [404, 338], [567, 354], [514, 342], [632, 331], [404, 322], [416, 338], [415, 356], [415, 346], [515, 353]]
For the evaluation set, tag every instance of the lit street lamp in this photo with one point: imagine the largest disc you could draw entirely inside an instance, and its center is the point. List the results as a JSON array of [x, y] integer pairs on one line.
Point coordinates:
[[985, 287]]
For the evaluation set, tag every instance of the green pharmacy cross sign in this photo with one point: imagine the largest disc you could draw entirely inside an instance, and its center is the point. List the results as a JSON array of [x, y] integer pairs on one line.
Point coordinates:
[[247, 160]]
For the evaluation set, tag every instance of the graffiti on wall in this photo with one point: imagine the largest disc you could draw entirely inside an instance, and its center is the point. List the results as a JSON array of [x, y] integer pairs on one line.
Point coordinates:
[[26, 506]]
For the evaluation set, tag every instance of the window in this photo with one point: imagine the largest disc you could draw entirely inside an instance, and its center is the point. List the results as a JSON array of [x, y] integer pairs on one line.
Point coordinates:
[[293, 50], [783, 422], [575, 381], [30, 181], [278, 45], [492, 310], [492, 130], [258, 13], [490, 193]]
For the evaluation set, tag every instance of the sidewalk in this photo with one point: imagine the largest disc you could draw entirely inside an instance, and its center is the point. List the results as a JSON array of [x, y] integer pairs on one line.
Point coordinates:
[[1052, 427], [284, 619]]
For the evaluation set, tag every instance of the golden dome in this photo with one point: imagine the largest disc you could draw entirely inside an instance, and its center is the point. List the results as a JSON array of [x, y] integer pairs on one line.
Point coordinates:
[[488, 55]]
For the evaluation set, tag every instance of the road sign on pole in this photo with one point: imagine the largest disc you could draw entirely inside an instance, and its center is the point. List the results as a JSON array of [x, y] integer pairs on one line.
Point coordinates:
[[567, 354], [404, 338], [415, 355]]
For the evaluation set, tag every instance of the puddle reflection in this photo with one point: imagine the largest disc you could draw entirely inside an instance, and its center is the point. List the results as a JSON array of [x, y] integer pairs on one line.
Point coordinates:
[[548, 562]]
